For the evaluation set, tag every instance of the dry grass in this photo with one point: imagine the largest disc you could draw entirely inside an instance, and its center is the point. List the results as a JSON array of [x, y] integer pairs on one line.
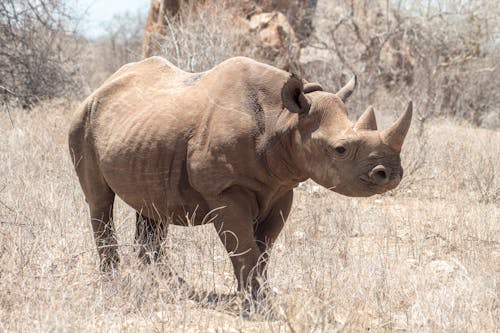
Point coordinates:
[[424, 258]]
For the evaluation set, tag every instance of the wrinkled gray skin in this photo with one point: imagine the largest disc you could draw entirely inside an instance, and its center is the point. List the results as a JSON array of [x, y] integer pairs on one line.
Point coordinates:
[[227, 147]]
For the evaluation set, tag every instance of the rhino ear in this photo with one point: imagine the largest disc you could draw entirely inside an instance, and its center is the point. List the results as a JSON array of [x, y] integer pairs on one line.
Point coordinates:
[[292, 96], [348, 89], [312, 86]]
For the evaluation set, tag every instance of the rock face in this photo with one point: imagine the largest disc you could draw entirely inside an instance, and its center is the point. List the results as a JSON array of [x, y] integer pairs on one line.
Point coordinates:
[[280, 27], [276, 38], [299, 13], [155, 27]]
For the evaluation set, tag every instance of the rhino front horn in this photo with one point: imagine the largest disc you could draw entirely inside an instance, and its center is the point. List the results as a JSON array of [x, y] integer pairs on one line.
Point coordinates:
[[367, 121], [394, 136], [347, 90]]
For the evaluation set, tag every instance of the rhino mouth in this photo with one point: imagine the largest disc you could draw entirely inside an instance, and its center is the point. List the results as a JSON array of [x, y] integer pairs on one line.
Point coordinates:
[[365, 180], [368, 182]]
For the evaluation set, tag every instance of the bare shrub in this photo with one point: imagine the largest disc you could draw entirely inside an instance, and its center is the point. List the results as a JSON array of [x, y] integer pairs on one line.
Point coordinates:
[[443, 58], [39, 55], [202, 36], [199, 39]]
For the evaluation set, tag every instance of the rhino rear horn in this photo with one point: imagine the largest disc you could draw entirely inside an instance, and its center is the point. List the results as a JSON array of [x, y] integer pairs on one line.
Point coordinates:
[[394, 136], [347, 90], [367, 121], [292, 96]]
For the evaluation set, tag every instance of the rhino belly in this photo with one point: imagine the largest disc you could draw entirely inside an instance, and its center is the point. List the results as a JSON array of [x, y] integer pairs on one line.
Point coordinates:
[[155, 183]]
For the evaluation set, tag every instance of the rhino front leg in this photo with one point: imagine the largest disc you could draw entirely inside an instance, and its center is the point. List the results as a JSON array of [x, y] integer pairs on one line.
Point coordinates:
[[267, 231], [149, 236], [235, 228]]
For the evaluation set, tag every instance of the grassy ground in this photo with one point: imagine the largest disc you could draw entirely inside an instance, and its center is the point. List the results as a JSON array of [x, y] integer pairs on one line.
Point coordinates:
[[425, 257]]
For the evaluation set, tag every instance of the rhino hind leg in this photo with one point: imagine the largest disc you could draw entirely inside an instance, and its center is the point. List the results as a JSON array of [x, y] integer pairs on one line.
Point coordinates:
[[149, 236], [100, 198], [104, 233]]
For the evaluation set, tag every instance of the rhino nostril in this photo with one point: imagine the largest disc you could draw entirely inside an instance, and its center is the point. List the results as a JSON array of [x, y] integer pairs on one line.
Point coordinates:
[[379, 175]]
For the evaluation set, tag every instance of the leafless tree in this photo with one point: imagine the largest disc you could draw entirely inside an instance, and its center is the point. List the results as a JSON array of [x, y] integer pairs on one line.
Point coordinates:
[[119, 44], [443, 56], [40, 48]]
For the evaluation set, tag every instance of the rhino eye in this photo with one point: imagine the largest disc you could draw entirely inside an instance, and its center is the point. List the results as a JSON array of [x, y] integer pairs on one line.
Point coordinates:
[[340, 149]]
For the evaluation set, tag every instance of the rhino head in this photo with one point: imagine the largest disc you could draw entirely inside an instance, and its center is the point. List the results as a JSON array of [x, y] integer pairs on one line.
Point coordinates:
[[354, 159]]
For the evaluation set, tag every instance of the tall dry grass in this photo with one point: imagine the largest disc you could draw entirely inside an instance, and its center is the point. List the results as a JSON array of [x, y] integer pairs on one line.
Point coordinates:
[[424, 258]]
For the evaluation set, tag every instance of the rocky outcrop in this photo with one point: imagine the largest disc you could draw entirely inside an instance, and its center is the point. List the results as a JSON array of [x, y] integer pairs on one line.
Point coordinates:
[[280, 27]]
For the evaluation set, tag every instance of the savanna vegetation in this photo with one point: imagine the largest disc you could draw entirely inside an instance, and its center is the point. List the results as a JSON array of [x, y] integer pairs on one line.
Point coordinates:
[[424, 257]]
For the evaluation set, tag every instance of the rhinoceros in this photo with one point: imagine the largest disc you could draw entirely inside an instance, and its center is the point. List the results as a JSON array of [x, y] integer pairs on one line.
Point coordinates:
[[226, 146]]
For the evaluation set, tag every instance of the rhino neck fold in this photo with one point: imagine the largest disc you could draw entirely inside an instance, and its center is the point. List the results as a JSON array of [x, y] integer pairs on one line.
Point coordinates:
[[282, 160]]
